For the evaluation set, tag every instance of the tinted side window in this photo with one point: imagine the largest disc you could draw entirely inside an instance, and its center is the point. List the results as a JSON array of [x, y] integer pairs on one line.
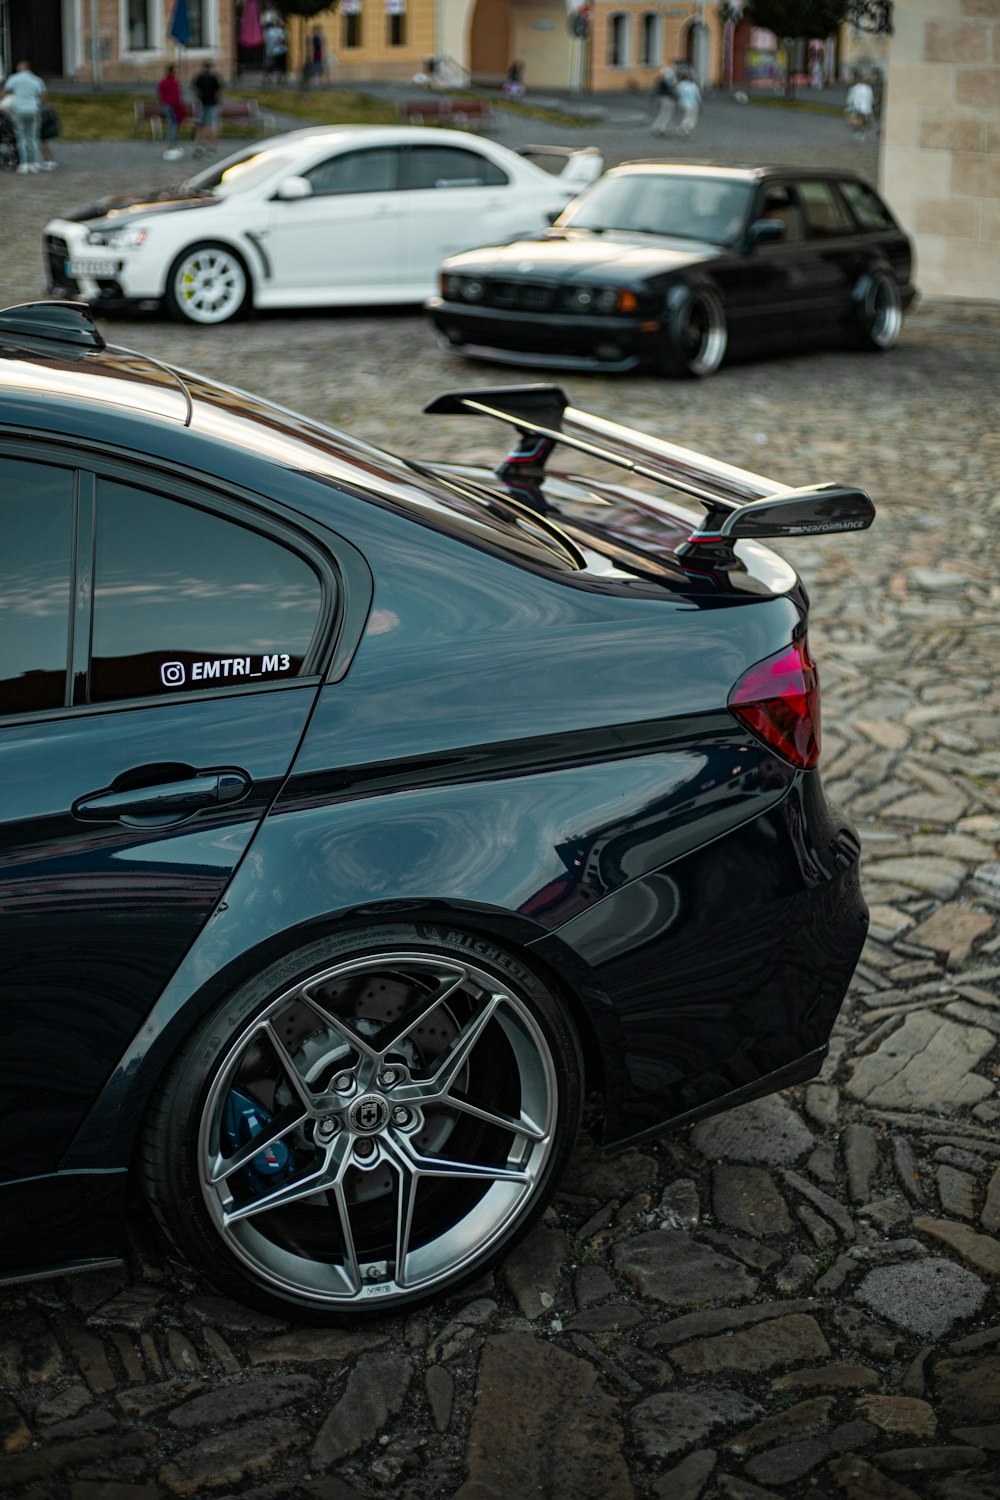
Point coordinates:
[[36, 531], [867, 206], [449, 167], [826, 216], [355, 172], [184, 599], [780, 203]]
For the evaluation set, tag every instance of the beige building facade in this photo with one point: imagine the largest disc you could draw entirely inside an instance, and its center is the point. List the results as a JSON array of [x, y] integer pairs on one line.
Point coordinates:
[[940, 159]]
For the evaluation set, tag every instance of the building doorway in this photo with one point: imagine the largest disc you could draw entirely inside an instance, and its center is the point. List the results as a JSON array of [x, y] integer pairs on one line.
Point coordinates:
[[490, 41], [35, 32]]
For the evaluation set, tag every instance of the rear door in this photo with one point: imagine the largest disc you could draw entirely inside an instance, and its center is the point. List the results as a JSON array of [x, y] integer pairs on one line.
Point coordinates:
[[456, 198], [159, 657], [839, 258]]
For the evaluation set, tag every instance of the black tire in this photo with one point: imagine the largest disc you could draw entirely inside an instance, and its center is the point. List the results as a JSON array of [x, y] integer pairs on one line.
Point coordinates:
[[423, 1079], [877, 311], [208, 284], [696, 333]]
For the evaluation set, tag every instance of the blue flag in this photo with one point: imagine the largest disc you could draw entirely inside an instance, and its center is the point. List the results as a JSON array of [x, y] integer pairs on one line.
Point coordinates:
[[179, 27]]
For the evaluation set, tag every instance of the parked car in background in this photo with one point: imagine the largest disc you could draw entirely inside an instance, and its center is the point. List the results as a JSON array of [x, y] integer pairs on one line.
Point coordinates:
[[672, 267], [316, 218], [359, 815]]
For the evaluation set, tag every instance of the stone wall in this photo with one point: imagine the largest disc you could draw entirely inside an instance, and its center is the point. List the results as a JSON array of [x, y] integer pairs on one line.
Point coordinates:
[[940, 164]]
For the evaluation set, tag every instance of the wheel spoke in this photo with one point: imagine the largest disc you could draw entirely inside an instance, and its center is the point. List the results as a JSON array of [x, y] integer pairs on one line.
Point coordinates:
[[441, 1166], [352, 1268], [458, 1053], [390, 1037], [406, 1198], [328, 1175], [224, 1166], [292, 1074], [521, 1126]]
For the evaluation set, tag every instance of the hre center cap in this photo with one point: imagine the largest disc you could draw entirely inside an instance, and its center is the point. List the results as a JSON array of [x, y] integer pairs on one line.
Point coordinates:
[[368, 1115]]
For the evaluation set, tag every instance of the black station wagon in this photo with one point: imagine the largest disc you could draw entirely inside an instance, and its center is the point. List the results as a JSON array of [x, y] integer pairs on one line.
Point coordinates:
[[359, 816], [671, 267]]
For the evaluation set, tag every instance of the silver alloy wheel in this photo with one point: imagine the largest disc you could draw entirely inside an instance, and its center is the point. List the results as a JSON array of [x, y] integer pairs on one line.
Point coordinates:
[[405, 1105], [883, 313], [699, 333], [209, 284]]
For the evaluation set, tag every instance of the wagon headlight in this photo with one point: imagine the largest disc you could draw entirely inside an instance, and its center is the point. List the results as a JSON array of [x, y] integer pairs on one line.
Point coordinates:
[[472, 290], [118, 239]]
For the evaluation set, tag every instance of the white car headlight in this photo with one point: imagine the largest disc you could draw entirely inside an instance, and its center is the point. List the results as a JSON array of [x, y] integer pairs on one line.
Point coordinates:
[[118, 239]]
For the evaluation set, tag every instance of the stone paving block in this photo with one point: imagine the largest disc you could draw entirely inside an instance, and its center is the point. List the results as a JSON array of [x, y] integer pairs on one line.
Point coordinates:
[[768, 1132], [674, 1269], [764, 1347], [376, 1388], [542, 1413], [927, 1297], [227, 1458], [979, 1250], [928, 1062], [668, 1423], [968, 1389]]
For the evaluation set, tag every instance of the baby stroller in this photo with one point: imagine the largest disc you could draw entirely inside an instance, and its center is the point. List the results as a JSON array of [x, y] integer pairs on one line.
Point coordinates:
[[8, 144]]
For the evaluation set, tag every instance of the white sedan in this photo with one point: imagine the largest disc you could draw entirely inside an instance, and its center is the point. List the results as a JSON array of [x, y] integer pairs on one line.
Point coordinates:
[[322, 217]]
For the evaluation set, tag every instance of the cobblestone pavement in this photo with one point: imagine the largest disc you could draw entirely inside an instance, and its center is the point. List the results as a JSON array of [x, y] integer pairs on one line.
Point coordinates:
[[798, 1297]]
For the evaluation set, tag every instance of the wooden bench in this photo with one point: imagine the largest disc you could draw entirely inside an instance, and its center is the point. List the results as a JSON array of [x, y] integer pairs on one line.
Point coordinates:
[[236, 111], [433, 109]]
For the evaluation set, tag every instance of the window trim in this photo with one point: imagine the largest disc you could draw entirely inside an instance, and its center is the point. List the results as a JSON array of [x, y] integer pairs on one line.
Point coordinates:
[[406, 157], [619, 21], [651, 31], [345, 581]]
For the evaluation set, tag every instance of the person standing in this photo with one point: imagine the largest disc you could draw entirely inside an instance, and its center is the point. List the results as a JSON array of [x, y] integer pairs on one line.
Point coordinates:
[[275, 49], [207, 86], [860, 107], [27, 93], [666, 95], [317, 54], [689, 103], [168, 92]]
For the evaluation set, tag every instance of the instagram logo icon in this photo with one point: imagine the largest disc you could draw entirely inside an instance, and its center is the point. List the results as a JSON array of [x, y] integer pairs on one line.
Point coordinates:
[[172, 674]]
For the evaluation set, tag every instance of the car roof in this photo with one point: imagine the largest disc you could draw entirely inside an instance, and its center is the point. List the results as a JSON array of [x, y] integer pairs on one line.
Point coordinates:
[[750, 174]]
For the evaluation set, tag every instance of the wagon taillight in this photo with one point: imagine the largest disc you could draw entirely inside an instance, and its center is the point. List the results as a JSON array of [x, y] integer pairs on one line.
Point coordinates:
[[777, 699]]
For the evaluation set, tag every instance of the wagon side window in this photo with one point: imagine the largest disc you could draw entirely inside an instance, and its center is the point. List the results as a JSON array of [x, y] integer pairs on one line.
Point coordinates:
[[866, 206], [826, 217], [781, 203], [36, 536]]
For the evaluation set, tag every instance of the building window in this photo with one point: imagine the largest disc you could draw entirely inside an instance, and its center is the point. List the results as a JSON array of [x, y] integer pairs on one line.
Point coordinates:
[[352, 30], [619, 40], [139, 26], [198, 23], [396, 31], [652, 46]]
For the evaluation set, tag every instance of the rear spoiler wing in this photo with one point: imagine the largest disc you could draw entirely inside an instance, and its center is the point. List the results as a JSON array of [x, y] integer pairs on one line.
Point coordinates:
[[738, 503]]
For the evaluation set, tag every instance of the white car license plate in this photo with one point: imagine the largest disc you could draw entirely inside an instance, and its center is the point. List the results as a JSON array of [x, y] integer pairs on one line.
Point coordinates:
[[92, 267]]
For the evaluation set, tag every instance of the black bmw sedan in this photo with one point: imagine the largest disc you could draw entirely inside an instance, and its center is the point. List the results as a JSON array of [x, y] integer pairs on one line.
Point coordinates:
[[359, 816], [671, 267]]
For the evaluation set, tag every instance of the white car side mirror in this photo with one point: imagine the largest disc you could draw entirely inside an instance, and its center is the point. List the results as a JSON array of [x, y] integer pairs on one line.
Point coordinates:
[[294, 188]]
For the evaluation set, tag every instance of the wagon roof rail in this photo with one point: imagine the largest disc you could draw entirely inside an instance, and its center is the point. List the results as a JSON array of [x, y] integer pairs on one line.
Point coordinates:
[[738, 502]]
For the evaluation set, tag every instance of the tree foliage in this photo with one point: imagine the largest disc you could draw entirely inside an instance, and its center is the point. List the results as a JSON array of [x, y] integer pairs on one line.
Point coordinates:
[[799, 17], [307, 8]]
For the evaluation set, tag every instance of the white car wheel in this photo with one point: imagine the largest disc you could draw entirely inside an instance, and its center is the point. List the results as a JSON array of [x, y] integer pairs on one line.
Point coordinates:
[[207, 284]]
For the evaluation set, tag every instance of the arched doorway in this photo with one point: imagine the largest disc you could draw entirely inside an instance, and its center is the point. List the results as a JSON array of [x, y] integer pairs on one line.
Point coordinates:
[[490, 41]]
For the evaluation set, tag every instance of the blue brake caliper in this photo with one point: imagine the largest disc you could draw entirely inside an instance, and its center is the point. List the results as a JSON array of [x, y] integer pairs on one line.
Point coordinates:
[[245, 1118]]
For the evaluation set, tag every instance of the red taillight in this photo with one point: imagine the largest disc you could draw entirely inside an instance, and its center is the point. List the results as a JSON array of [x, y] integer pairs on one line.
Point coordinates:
[[778, 699]]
